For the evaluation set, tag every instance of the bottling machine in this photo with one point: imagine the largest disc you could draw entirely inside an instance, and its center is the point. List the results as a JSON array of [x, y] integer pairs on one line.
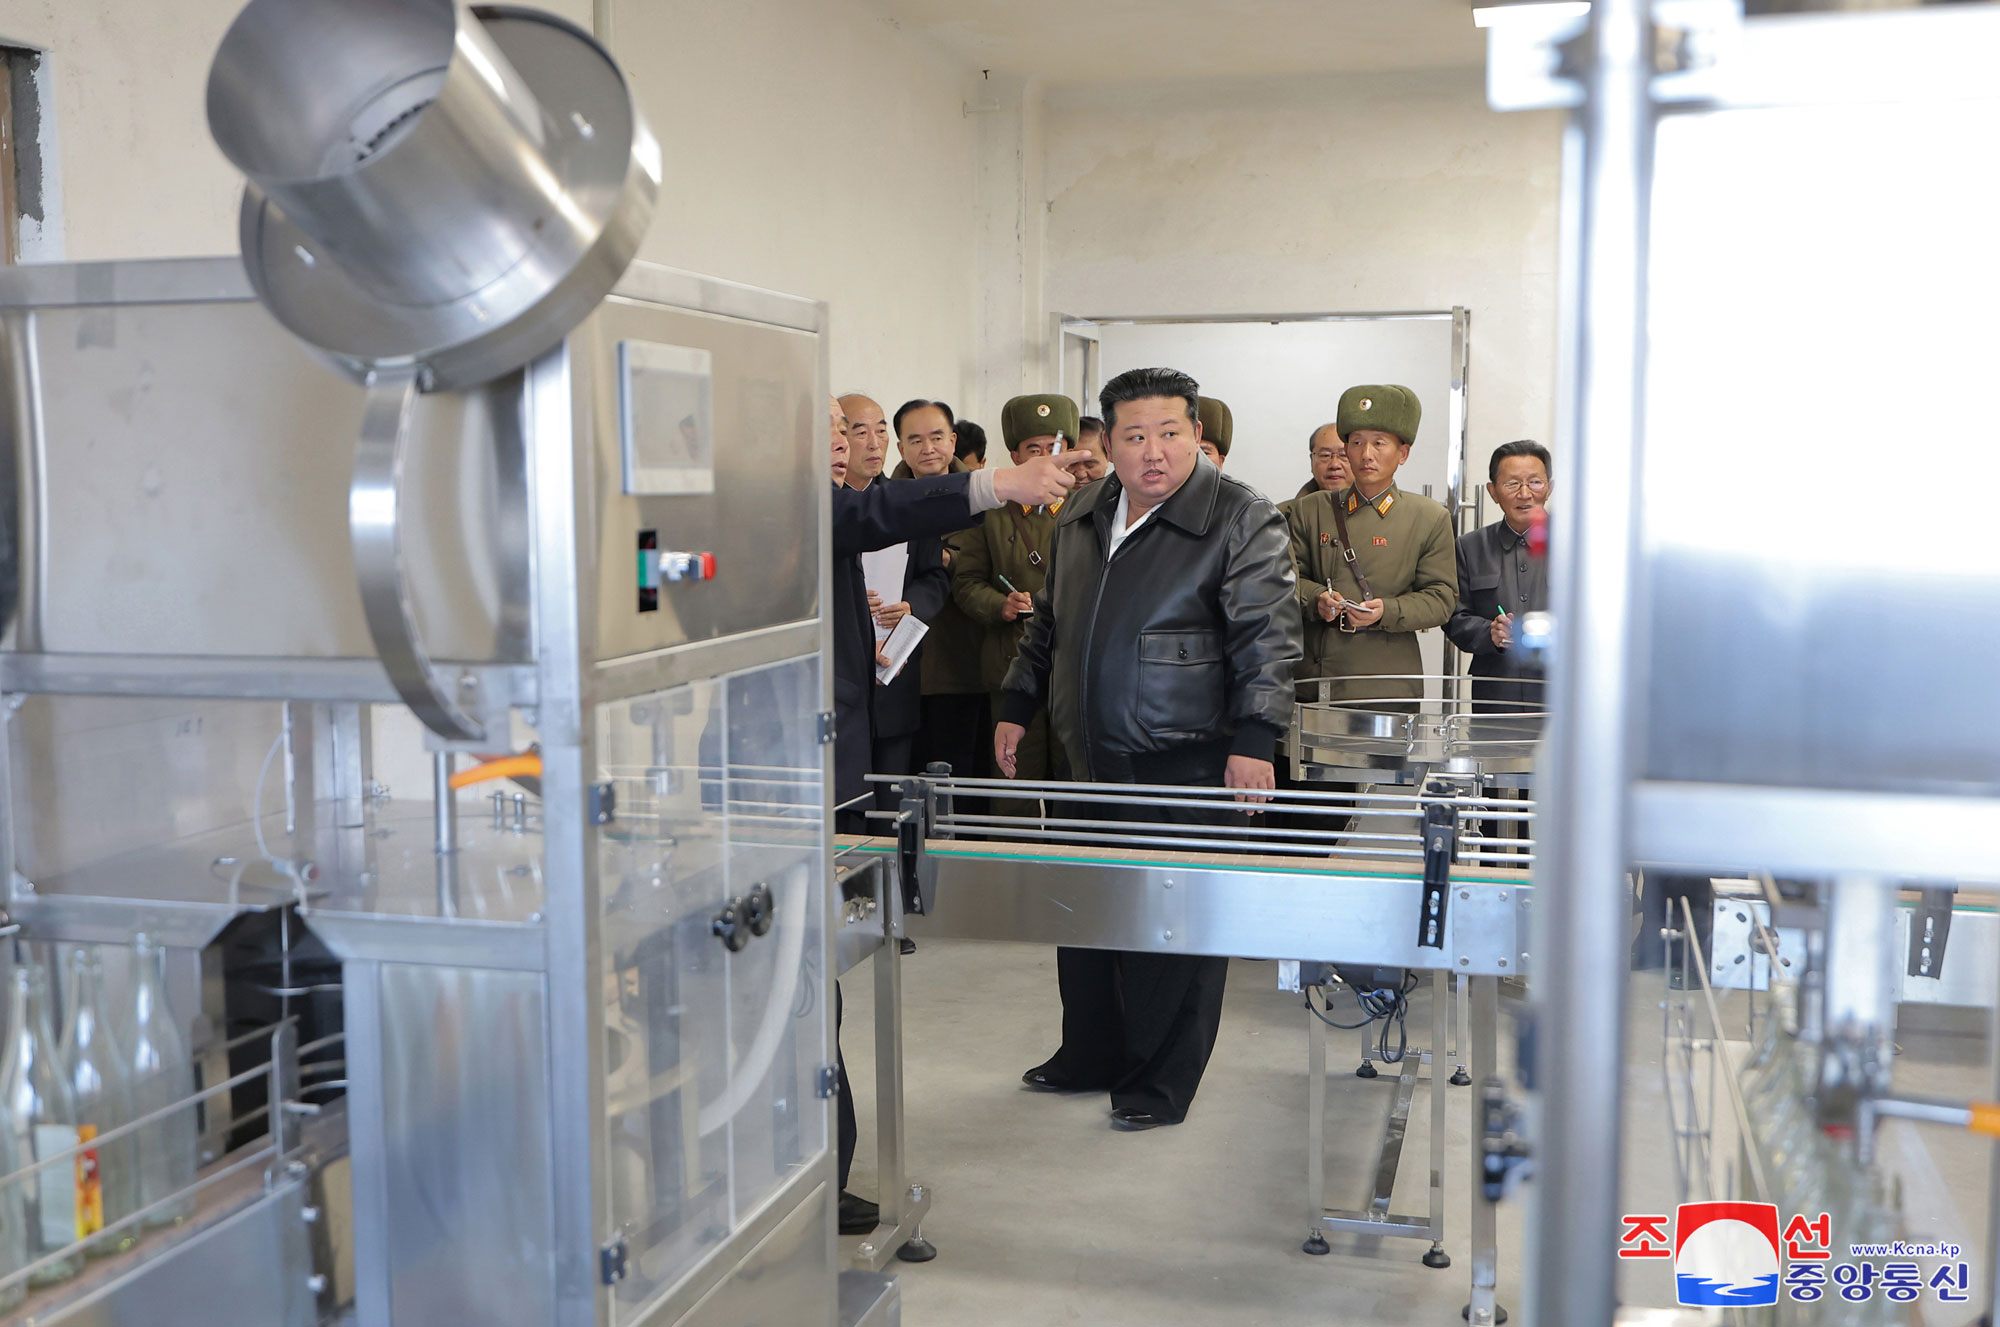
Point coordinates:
[[434, 458]]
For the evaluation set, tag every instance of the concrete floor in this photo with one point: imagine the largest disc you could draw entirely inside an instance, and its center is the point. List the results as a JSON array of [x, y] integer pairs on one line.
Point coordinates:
[[1043, 1214]]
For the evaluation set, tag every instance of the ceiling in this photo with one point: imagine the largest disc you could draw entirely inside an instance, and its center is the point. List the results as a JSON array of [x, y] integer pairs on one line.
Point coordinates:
[[1076, 41]]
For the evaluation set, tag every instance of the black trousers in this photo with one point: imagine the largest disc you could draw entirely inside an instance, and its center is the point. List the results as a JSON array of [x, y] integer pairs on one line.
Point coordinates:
[[958, 731], [846, 1130], [1140, 1025]]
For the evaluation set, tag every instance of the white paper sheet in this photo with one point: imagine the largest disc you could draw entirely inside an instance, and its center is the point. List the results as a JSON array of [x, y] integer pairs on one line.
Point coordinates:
[[900, 645], [884, 570]]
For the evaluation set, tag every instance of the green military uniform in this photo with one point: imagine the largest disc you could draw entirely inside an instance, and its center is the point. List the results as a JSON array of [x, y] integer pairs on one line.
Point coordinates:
[[1013, 543], [1402, 542]]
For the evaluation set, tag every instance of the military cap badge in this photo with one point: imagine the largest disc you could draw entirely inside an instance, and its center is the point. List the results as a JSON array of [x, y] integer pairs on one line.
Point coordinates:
[[1043, 410]]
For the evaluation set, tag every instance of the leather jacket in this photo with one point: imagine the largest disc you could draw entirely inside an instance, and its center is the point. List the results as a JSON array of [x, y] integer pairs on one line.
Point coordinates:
[[1189, 635]]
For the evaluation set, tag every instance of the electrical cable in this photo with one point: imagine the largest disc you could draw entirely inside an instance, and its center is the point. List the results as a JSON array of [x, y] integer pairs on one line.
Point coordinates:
[[1384, 1005]]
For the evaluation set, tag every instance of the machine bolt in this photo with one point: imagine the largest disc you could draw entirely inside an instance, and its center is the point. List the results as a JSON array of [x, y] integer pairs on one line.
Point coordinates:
[[1464, 962], [917, 1192], [1170, 884], [316, 1283], [1168, 935], [866, 1250], [309, 1215], [1503, 962], [1465, 894], [1503, 896]]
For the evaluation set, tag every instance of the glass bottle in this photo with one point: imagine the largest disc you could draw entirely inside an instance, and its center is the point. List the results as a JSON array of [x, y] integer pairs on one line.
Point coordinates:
[[41, 1120], [107, 1187], [13, 1227], [161, 1075]]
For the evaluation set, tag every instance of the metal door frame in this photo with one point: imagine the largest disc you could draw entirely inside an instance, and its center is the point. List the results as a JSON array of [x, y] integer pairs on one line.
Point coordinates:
[[1063, 327]]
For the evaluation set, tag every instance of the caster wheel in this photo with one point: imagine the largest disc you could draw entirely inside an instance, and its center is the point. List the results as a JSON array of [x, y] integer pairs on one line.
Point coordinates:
[[1437, 1257], [1499, 1314], [1367, 1070], [1315, 1244], [917, 1250], [1460, 1078]]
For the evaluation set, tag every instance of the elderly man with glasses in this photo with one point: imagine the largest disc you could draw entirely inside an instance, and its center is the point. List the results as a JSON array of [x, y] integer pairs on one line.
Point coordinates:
[[1499, 579]]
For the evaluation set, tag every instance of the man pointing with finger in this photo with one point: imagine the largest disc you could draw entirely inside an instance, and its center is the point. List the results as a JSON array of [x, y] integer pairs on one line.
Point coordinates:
[[1163, 645]]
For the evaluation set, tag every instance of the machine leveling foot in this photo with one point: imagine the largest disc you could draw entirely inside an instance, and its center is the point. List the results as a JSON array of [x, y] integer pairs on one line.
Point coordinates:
[[1499, 1314], [1437, 1257], [1367, 1070], [1460, 1078], [918, 1249], [1315, 1244]]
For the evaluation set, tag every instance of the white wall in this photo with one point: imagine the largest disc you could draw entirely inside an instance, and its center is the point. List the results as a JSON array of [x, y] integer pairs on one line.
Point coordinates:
[[1318, 194], [810, 145], [815, 147]]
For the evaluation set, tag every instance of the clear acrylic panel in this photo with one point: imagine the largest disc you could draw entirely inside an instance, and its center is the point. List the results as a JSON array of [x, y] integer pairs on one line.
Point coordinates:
[[711, 1051]]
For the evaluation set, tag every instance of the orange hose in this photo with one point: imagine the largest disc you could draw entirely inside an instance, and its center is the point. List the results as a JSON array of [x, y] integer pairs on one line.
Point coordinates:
[[1985, 1119], [504, 767]]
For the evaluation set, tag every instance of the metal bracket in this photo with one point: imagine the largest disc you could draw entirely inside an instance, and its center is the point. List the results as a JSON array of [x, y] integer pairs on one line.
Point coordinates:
[[914, 822], [826, 1082], [612, 1261], [1440, 846], [603, 803], [826, 727], [1929, 929]]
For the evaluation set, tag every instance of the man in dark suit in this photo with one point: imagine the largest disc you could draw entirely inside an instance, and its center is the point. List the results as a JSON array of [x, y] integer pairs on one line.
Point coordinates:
[[920, 591], [870, 518]]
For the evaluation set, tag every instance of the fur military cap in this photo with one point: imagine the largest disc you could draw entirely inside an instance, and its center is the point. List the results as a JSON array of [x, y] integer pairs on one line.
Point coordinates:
[[1383, 406], [1038, 417], [1216, 422]]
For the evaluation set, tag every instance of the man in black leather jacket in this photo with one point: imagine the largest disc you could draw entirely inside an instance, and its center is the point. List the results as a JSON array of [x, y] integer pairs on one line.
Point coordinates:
[[1163, 645]]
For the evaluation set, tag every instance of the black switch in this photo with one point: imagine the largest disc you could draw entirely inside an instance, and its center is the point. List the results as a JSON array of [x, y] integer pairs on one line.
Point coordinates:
[[649, 571]]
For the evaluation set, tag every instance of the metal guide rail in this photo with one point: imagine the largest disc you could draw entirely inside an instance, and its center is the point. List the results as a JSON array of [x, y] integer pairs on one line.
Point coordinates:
[[1346, 728], [1378, 880], [1394, 879]]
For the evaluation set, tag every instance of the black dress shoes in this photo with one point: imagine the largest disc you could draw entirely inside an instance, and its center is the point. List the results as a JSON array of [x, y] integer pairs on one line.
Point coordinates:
[[1042, 1079], [858, 1216], [1132, 1121]]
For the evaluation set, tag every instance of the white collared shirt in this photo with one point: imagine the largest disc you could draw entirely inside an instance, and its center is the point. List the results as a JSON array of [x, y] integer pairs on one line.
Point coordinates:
[[1120, 532]]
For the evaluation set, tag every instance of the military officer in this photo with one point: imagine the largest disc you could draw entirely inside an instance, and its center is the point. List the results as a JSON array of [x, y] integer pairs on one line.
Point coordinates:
[[1218, 426], [1376, 565], [1002, 563]]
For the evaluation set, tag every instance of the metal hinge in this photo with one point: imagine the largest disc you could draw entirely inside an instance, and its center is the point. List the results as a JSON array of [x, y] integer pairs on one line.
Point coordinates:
[[603, 803], [825, 727], [827, 1082], [611, 1261]]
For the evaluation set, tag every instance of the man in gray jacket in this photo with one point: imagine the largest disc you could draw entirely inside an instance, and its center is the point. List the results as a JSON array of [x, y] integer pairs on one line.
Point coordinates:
[[1163, 646]]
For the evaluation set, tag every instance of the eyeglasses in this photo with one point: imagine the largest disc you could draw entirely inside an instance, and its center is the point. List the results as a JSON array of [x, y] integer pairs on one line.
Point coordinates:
[[1514, 487], [1324, 455]]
